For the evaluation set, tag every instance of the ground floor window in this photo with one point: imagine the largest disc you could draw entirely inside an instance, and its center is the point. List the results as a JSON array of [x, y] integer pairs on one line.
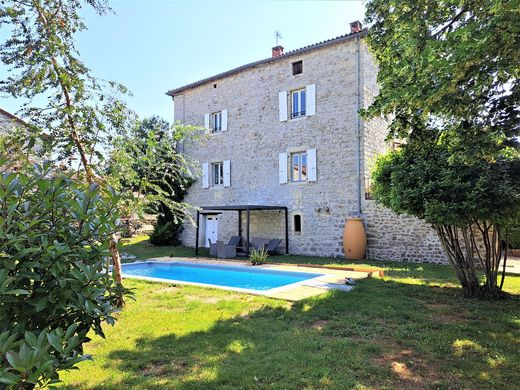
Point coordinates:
[[297, 223]]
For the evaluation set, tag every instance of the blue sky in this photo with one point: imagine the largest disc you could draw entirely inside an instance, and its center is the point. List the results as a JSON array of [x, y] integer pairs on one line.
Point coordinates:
[[154, 46]]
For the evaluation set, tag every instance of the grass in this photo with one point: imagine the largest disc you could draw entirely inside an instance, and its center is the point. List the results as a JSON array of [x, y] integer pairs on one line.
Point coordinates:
[[411, 330]]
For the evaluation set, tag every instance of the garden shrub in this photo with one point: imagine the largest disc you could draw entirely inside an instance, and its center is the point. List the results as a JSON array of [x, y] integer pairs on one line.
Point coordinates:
[[258, 256], [166, 233], [54, 285]]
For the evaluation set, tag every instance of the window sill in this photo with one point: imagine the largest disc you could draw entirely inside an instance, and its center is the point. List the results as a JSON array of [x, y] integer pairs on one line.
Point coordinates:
[[298, 118], [218, 187], [298, 183]]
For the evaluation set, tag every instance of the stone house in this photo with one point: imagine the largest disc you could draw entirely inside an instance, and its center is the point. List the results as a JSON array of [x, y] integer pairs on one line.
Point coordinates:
[[285, 132], [8, 121]]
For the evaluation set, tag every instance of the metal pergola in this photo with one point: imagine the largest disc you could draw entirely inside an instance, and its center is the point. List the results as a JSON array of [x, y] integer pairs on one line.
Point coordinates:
[[240, 208]]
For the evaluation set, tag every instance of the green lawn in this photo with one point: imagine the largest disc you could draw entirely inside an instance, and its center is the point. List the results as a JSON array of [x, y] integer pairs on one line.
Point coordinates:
[[411, 330]]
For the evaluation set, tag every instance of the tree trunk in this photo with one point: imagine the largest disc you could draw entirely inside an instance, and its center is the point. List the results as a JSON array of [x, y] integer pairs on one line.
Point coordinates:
[[459, 248], [469, 246], [76, 140]]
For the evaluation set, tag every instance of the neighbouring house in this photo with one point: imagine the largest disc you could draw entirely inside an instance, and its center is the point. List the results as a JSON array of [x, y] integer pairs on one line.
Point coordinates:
[[9, 121], [284, 132]]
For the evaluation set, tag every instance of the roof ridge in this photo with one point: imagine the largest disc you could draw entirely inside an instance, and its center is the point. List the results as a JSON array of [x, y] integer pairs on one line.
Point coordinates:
[[13, 117], [241, 68]]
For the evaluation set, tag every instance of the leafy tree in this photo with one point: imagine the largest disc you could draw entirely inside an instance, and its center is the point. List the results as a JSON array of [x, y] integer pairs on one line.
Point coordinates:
[[450, 87], [79, 112], [147, 161], [54, 284], [469, 205]]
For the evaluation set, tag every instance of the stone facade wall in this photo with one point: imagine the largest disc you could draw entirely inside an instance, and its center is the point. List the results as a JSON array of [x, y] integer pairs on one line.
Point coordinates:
[[6, 122], [255, 137], [390, 236]]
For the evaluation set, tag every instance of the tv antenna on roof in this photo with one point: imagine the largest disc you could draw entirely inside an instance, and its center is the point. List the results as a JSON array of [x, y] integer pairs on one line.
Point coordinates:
[[277, 36]]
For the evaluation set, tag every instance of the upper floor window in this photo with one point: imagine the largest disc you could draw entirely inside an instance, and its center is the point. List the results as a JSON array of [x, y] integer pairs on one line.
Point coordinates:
[[217, 173], [298, 103], [216, 122], [216, 119], [298, 166], [297, 67]]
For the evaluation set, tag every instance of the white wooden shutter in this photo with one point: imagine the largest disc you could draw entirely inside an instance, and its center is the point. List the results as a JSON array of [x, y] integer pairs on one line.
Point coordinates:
[[224, 120], [227, 173], [282, 162], [310, 93], [282, 105], [206, 122], [205, 175], [311, 165]]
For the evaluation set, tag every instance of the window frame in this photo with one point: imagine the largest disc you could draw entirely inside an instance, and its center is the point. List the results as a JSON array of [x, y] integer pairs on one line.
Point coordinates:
[[217, 180], [290, 167], [213, 125], [301, 103], [299, 216], [297, 67]]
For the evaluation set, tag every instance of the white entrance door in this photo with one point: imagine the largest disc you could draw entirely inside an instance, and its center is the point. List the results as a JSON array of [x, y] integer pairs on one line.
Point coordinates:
[[211, 230]]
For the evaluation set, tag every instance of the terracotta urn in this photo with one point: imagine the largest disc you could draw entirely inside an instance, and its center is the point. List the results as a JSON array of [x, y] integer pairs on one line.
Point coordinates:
[[354, 239]]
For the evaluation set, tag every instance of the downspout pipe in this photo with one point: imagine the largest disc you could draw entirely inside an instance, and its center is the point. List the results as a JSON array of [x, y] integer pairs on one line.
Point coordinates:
[[358, 127]]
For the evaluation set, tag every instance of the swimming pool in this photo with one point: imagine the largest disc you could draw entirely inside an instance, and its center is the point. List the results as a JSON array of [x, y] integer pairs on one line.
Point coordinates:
[[234, 277]]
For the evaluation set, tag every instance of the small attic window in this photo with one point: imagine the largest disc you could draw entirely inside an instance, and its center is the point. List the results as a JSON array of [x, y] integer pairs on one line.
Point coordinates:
[[297, 67], [214, 85]]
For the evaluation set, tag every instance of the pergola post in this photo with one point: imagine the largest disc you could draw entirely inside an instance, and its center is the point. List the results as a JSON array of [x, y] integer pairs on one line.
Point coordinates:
[[240, 223], [197, 234], [286, 231], [248, 217]]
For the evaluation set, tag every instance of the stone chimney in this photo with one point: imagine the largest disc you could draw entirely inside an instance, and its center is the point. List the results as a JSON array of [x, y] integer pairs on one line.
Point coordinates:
[[277, 51], [355, 27]]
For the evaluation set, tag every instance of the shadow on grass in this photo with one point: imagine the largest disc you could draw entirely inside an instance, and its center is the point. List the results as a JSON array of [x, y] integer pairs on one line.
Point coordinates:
[[382, 334]]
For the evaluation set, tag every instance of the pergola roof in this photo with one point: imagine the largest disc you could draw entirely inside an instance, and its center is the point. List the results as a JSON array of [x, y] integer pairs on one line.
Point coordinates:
[[242, 207]]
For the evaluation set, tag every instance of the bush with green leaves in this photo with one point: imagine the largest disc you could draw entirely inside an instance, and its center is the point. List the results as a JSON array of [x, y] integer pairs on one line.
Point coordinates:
[[258, 256], [147, 160], [449, 88], [54, 284], [467, 203]]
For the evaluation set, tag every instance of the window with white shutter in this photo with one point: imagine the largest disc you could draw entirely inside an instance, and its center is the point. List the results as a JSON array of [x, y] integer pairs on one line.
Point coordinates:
[[298, 166], [216, 122], [282, 163], [310, 108], [206, 122], [227, 173], [224, 120], [282, 106], [205, 175], [311, 165], [217, 174], [298, 103]]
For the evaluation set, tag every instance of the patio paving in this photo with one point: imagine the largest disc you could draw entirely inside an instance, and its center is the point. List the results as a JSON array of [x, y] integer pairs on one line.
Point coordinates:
[[332, 279]]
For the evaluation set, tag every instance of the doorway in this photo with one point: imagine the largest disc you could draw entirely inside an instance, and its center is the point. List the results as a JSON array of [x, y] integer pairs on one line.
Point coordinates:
[[211, 232]]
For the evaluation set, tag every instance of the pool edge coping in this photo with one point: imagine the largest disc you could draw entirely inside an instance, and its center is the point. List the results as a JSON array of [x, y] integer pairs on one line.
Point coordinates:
[[268, 292], [286, 292]]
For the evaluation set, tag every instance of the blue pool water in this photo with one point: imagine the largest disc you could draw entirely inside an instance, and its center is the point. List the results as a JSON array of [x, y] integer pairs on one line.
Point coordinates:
[[220, 275]]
